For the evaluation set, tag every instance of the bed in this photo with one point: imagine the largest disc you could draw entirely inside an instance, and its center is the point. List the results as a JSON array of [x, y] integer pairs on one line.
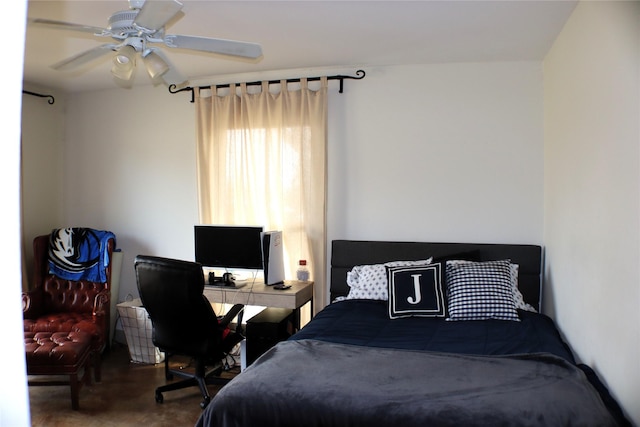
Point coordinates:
[[442, 334]]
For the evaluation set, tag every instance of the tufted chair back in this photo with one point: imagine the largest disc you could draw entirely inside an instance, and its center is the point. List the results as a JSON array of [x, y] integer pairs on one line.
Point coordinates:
[[58, 305], [64, 296]]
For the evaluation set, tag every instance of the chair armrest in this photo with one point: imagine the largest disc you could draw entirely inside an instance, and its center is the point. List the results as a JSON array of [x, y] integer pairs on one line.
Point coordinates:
[[231, 314], [101, 303], [31, 304], [26, 302]]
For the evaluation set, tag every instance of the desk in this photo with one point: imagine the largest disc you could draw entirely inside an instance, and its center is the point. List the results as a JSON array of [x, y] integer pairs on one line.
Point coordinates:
[[257, 293]]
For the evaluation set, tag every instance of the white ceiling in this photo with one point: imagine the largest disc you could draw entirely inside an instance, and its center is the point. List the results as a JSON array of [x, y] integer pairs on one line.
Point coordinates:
[[306, 35]]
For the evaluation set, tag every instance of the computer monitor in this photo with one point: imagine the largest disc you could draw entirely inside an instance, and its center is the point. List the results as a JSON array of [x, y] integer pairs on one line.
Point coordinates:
[[228, 246]]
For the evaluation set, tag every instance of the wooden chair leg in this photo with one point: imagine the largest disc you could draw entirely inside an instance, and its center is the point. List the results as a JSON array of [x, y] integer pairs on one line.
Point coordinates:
[[96, 362], [86, 378], [75, 391]]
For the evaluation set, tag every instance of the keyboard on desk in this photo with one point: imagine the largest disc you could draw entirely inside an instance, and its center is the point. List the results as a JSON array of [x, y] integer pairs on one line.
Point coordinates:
[[225, 285]]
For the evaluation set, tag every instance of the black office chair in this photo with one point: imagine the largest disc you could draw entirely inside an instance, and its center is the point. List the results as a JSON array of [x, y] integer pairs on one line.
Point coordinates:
[[184, 322]]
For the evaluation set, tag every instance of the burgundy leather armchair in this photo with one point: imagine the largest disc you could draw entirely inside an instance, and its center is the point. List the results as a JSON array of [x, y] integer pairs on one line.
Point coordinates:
[[59, 305]]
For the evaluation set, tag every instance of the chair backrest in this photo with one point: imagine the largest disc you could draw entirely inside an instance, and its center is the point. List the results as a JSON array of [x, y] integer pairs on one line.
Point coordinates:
[[172, 293], [62, 295]]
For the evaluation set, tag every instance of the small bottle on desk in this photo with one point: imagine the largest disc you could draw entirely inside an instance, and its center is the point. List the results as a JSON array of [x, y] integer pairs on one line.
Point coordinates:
[[303, 272]]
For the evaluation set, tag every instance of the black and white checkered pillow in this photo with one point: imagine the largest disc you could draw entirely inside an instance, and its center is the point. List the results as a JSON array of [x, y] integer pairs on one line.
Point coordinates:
[[517, 295], [480, 291], [416, 291]]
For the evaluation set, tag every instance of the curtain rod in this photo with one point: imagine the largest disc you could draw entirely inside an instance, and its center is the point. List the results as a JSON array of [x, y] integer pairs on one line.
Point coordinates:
[[51, 99], [359, 76]]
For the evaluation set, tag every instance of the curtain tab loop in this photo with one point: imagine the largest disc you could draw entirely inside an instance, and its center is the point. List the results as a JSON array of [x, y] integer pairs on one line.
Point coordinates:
[[303, 83], [324, 82]]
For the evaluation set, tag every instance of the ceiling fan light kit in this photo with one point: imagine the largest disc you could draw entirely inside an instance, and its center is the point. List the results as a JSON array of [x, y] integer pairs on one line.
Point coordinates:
[[123, 63], [135, 31], [125, 56], [156, 66]]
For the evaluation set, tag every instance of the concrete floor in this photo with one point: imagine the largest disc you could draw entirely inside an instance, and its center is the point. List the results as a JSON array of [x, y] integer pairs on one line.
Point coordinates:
[[124, 397]]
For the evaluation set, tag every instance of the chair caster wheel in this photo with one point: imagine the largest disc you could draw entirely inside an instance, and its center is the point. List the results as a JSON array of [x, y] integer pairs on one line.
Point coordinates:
[[205, 403], [159, 398]]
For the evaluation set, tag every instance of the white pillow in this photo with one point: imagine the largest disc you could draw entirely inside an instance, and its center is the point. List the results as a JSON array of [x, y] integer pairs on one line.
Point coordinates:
[[517, 295], [370, 281]]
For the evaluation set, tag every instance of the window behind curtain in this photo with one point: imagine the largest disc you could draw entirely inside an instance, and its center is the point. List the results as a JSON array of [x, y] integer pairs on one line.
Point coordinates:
[[262, 161]]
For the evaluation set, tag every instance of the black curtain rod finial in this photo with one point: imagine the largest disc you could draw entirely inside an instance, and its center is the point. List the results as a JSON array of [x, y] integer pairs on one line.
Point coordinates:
[[50, 99], [173, 89], [359, 76]]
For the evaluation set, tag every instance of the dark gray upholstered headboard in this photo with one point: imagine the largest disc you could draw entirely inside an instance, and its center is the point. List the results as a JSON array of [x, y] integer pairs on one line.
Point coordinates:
[[345, 254]]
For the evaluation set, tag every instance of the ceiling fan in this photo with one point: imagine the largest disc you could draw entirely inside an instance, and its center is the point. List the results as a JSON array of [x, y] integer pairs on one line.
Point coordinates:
[[135, 32]]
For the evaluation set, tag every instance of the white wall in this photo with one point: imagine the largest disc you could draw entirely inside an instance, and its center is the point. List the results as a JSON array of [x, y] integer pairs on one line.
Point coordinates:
[[426, 152], [449, 152], [592, 189], [130, 168], [42, 153]]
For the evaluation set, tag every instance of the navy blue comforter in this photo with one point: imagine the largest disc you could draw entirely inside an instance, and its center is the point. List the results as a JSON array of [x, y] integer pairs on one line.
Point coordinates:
[[353, 366], [366, 323]]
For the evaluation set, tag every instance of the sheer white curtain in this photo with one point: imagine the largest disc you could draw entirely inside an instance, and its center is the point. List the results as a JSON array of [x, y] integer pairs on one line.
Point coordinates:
[[261, 160]]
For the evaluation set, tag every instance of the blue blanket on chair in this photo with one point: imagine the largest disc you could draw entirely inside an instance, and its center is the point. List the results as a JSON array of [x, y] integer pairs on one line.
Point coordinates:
[[79, 254]]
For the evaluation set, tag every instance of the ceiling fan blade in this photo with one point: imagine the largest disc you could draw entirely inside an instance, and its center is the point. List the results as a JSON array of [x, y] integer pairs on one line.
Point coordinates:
[[60, 25], [156, 13], [84, 57], [206, 44], [174, 77], [136, 4]]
